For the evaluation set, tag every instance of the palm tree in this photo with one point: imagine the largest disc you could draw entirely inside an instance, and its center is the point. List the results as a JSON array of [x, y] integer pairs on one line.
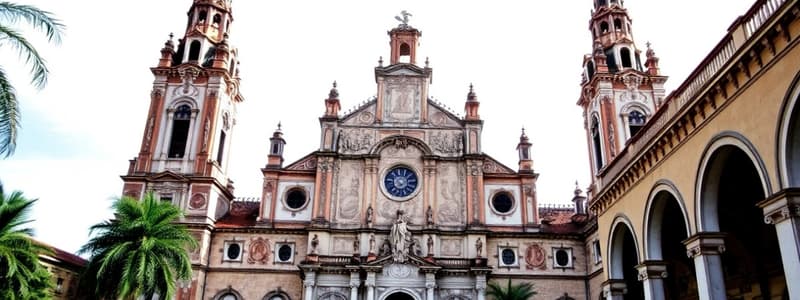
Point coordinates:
[[21, 274], [140, 253], [11, 13], [520, 291]]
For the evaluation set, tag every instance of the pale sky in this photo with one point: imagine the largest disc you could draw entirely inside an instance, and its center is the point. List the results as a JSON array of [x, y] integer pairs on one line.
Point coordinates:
[[524, 58]]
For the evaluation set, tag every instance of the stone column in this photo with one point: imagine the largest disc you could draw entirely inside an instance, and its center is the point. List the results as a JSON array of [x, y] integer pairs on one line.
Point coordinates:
[[308, 286], [480, 286], [652, 274], [705, 249], [783, 210], [355, 281], [370, 283], [614, 289]]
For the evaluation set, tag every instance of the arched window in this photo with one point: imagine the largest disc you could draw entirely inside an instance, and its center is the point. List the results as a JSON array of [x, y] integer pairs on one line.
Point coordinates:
[[617, 24], [180, 131], [611, 61], [636, 120], [201, 18], [226, 125], [598, 152], [625, 56], [194, 51], [217, 19], [603, 27], [590, 69]]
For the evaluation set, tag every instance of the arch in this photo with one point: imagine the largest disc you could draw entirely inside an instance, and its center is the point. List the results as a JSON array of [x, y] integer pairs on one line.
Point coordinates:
[[656, 201], [276, 294], [201, 18], [330, 296], [183, 101], [617, 24], [400, 293], [625, 57], [603, 27], [615, 239], [710, 169], [401, 141], [181, 121], [217, 19], [227, 293], [194, 51], [788, 138]]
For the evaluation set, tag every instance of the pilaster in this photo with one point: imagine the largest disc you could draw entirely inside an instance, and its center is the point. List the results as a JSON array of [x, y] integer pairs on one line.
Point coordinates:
[[783, 211]]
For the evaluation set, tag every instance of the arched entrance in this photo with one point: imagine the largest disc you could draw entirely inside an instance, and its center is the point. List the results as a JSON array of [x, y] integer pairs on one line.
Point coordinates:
[[667, 228], [624, 259], [731, 187], [399, 296]]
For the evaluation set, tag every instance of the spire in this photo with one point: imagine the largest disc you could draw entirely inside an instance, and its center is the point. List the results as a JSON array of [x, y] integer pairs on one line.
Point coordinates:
[[332, 105], [471, 107], [404, 40], [578, 200], [524, 151], [275, 158], [167, 52]]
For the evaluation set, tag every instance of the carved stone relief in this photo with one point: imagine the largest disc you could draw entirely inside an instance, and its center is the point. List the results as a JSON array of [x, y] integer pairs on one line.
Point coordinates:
[[450, 195], [356, 140], [348, 191], [535, 257], [259, 251], [447, 143], [198, 201], [402, 99], [399, 271], [451, 247], [307, 164]]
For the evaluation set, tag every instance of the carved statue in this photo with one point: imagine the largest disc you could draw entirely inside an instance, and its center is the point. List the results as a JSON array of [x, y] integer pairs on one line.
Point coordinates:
[[369, 216], [356, 246], [371, 243], [400, 238], [314, 243], [415, 247], [429, 216], [404, 18], [386, 248], [430, 245], [478, 247]]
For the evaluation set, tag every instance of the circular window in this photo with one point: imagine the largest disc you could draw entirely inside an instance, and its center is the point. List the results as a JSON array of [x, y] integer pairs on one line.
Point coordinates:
[[400, 183], [503, 203], [508, 257], [233, 251], [562, 258], [296, 199], [285, 252]]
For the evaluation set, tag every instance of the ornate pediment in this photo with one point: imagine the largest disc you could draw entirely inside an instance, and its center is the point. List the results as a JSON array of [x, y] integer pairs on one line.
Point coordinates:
[[307, 163], [492, 166], [167, 176], [402, 70]]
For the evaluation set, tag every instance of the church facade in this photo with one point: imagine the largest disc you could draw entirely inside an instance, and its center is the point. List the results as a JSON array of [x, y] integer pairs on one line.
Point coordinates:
[[400, 202]]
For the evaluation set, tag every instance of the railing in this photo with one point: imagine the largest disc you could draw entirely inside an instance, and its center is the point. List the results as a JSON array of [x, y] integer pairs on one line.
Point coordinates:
[[461, 263], [338, 260], [758, 14], [247, 199]]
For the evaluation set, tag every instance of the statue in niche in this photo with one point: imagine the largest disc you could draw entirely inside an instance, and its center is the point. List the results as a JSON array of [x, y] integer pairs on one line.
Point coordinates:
[[369, 216], [429, 216], [314, 244], [430, 245], [371, 243], [400, 238], [478, 247], [356, 246]]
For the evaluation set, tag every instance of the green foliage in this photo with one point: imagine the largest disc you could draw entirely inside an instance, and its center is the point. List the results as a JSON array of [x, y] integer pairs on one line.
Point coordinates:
[[141, 252], [43, 21], [21, 274], [519, 291]]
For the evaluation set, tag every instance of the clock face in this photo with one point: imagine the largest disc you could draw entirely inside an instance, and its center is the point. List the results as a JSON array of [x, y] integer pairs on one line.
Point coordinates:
[[400, 182]]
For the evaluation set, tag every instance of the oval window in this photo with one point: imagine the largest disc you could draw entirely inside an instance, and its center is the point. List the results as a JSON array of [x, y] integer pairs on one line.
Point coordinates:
[[233, 251], [562, 258], [508, 256], [296, 199], [502, 202], [285, 252]]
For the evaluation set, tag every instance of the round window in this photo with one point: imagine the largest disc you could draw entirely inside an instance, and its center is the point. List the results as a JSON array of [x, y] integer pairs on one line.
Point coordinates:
[[562, 258], [400, 182], [502, 202], [233, 251], [285, 252], [296, 198], [508, 257]]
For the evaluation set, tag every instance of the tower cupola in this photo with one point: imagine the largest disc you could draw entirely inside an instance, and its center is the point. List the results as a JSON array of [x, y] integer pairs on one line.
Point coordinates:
[[472, 104], [404, 40], [276, 143], [524, 150], [332, 105]]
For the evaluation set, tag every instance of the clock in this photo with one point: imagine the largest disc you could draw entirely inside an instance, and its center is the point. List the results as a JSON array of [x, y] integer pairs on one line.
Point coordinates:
[[400, 182]]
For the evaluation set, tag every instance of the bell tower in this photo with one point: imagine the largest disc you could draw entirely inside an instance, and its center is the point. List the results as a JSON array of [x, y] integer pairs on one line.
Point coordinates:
[[183, 156], [619, 93]]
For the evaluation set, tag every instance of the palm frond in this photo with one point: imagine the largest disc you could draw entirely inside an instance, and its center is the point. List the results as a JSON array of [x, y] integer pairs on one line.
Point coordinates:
[[25, 49], [41, 20], [9, 116]]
